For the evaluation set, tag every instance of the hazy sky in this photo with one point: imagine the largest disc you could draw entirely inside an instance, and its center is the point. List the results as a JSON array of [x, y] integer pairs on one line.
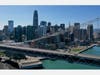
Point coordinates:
[[23, 15]]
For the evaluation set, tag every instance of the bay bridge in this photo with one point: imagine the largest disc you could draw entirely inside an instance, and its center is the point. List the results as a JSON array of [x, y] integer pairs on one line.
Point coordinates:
[[80, 58]]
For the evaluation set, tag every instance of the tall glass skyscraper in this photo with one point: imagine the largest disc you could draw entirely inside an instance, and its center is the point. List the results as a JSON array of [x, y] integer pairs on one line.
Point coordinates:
[[90, 32], [10, 26], [35, 19]]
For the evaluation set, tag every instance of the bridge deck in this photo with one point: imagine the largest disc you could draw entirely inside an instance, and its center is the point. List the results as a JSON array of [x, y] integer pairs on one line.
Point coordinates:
[[50, 51]]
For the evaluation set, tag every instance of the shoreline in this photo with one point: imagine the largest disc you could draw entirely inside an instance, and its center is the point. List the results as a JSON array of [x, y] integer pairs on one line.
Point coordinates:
[[87, 48]]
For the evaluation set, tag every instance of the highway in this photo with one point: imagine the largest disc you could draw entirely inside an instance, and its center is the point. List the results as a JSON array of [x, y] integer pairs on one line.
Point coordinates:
[[49, 52]]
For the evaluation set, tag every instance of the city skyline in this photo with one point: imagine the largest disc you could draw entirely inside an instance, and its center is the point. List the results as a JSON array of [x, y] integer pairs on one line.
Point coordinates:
[[23, 15], [32, 37]]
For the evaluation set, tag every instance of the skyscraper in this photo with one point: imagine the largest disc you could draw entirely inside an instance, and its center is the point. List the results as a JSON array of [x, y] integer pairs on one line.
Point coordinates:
[[42, 30], [49, 27], [90, 32], [77, 25], [35, 24], [10, 26], [5, 30], [18, 33], [56, 27], [62, 26], [76, 30], [29, 32], [83, 34], [35, 19], [24, 33]]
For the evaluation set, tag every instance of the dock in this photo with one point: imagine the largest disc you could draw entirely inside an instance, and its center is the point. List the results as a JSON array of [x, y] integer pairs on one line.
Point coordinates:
[[29, 63]]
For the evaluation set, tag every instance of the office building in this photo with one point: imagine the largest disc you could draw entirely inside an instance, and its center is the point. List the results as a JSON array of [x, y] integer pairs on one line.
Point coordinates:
[[62, 26], [42, 30], [1, 35], [90, 32], [5, 30], [83, 34], [35, 24], [18, 33], [10, 26], [76, 31], [71, 37], [35, 19], [77, 25], [56, 28], [49, 27], [29, 33], [24, 33]]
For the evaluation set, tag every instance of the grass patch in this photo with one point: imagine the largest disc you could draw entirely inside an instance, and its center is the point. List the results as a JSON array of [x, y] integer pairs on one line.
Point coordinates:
[[76, 50], [2, 54]]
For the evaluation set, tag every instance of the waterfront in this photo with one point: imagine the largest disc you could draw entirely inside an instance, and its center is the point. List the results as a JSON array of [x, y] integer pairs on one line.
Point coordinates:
[[61, 64], [93, 51]]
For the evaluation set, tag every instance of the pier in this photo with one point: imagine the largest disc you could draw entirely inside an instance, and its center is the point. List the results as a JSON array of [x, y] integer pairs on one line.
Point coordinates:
[[30, 63], [85, 49]]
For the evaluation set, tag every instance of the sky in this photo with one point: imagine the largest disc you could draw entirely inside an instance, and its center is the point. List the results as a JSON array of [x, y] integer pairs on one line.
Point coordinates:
[[23, 14]]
